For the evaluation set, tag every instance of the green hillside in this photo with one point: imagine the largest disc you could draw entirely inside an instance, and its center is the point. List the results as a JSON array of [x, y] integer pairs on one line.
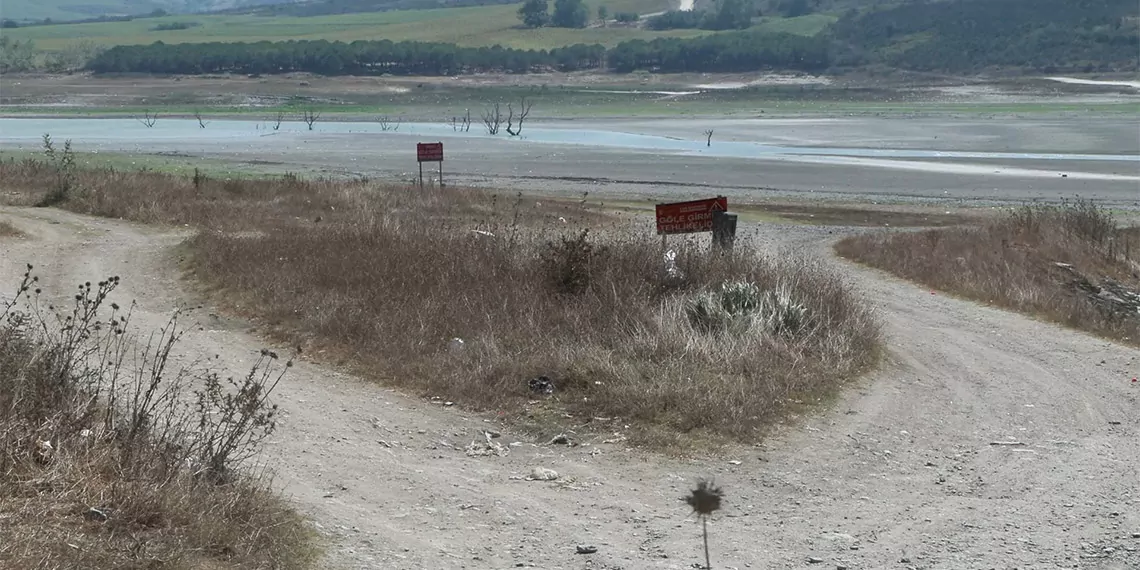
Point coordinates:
[[471, 26]]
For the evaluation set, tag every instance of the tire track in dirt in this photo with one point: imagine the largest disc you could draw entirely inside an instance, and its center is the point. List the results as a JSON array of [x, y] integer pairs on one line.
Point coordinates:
[[900, 473]]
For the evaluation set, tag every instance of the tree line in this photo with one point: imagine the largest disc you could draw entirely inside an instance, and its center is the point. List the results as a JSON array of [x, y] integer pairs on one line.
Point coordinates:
[[724, 15], [732, 51]]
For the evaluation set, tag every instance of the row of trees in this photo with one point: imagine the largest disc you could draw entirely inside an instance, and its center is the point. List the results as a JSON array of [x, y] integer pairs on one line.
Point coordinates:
[[734, 51], [567, 14], [16, 55], [725, 15], [731, 51], [338, 58]]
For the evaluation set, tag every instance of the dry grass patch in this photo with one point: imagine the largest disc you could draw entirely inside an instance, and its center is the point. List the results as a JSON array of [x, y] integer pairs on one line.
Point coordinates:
[[468, 296], [826, 215], [104, 465], [1070, 264], [8, 230]]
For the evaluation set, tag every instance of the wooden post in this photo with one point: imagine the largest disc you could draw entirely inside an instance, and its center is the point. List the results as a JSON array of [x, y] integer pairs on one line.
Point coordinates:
[[421, 175], [441, 173], [724, 230]]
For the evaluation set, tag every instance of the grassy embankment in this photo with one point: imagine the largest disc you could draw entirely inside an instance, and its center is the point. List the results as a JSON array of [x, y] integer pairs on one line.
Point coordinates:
[[383, 278], [1071, 264]]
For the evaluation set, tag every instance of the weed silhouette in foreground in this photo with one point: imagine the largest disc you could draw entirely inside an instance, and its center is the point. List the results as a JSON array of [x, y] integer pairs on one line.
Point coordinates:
[[705, 500]]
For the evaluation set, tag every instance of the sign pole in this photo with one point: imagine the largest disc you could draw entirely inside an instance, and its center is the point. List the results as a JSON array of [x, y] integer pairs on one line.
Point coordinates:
[[430, 152]]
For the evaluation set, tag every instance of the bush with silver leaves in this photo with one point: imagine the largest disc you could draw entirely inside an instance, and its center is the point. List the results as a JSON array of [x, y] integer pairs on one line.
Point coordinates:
[[738, 307]]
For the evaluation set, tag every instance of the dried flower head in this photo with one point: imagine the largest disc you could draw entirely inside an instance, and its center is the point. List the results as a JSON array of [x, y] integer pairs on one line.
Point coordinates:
[[705, 498]]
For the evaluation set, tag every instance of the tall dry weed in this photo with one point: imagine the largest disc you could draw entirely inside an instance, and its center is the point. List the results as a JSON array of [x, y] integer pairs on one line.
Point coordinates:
[[104, 462]]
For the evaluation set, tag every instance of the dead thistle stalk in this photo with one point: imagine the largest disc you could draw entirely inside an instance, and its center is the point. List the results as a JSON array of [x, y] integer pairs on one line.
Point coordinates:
[[705, 499]]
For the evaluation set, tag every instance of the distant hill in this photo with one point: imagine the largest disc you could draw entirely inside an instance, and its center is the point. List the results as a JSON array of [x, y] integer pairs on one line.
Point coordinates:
[[944, 36], [329, 7], [964, 36]]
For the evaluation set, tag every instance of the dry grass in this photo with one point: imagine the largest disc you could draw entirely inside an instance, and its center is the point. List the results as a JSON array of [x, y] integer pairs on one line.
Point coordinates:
[[89, 479], [384, 278], [861, 216], [1059, 263], [8, 230]]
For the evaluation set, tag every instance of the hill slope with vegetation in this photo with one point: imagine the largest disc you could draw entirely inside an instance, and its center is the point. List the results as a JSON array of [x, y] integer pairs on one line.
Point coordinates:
[[953, 36], [971, 35]]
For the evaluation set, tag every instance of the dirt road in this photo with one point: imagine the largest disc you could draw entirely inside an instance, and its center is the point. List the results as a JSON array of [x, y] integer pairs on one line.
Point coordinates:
[[902, 473]]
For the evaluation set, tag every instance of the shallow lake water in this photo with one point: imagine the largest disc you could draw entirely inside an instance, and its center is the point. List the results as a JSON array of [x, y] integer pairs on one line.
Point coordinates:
[[166, 131]]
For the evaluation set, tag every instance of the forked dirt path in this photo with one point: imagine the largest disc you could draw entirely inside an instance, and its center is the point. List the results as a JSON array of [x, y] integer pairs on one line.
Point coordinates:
[[901, 473]]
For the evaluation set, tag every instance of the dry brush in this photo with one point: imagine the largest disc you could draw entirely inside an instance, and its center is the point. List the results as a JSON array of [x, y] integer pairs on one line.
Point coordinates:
[[386, 277], [1068, 263], [112, 457]]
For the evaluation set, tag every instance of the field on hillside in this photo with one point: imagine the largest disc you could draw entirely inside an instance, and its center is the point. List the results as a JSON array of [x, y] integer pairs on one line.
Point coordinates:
[[62, 11], [67, 11], [473, 26]]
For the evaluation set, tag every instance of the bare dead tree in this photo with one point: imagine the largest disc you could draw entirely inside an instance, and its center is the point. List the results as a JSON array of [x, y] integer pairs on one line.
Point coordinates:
[[198, 115], [148, 119], [386, 124], [708, 137], [280, 117], [524, 110], [461, 123], [493, 119], [310, 116]]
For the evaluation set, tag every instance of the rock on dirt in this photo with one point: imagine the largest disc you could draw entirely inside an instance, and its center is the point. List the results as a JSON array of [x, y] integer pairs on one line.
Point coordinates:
[[542, 474]]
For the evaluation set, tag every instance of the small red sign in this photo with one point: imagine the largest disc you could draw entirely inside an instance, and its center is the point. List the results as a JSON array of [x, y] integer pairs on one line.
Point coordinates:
[[689, 217], [429, 152]]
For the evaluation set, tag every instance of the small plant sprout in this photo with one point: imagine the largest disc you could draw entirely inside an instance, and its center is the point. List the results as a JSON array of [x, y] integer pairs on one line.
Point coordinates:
[[705, 500]]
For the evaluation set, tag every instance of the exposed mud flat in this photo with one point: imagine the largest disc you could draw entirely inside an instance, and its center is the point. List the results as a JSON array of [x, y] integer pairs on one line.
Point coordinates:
[[879, 159]]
